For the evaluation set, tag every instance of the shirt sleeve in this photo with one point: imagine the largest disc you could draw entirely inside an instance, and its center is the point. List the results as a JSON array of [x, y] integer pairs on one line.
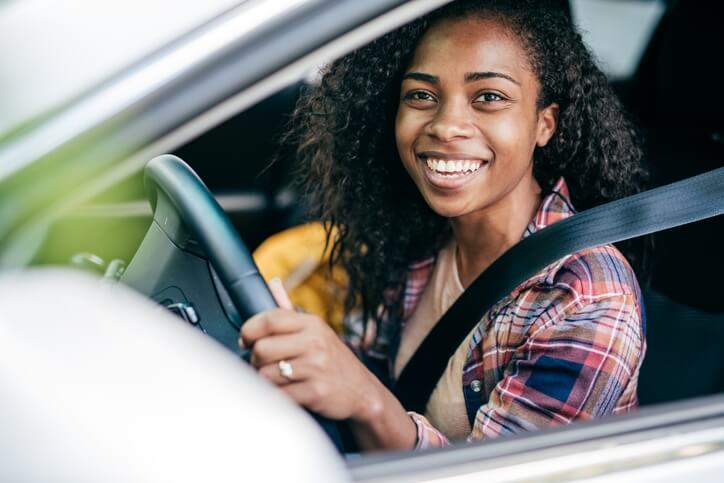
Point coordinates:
[[574, 367], [427, 435]]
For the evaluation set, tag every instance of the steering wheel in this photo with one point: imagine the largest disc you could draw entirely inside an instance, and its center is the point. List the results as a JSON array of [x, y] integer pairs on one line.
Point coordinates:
[[188, 225], [172, 185]]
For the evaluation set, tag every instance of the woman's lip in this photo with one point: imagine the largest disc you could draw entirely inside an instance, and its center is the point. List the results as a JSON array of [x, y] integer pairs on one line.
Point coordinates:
[[448, 156], [447, 182]]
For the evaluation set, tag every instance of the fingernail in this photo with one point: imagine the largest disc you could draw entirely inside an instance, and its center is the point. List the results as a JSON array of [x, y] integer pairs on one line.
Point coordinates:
[[275, 281], [241, 343]]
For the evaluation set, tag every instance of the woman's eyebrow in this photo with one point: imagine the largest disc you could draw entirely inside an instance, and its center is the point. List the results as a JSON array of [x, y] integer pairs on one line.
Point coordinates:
[[476, 76], [469, 77], [419, 76]]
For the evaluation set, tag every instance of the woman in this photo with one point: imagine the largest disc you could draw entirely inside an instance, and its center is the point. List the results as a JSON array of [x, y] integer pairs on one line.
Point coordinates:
[[431, 152]]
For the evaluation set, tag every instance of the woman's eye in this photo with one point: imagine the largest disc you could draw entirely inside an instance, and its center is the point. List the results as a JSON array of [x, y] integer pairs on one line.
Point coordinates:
[[489, 97], [419, 96]]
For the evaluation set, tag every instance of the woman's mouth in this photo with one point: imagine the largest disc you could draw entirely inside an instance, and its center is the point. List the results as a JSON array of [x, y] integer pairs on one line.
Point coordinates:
[[453, 168], [451, 173]]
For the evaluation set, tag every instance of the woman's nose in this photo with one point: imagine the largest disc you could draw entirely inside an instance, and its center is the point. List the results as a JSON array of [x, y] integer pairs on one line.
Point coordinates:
[[451, 121]]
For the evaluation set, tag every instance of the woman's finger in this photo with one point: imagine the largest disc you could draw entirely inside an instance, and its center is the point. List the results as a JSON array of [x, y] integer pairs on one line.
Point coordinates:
[[274, 348], [280, 294], [285, 371], [271, 322]]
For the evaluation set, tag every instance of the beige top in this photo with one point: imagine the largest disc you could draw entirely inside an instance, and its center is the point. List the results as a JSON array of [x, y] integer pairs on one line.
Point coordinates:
[[446, 408]]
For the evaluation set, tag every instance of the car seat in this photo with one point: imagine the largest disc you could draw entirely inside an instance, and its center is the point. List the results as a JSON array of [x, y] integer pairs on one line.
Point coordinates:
[[677, 96]]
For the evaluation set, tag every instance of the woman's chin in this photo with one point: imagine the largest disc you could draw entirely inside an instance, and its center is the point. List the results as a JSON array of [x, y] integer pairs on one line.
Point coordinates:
[[448, 209]]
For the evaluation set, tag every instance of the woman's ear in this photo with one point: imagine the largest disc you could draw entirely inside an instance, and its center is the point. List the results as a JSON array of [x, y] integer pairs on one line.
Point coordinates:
[[547, 123]]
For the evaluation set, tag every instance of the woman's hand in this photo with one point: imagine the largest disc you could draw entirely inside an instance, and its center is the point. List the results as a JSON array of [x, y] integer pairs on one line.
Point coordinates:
[[326, 377]]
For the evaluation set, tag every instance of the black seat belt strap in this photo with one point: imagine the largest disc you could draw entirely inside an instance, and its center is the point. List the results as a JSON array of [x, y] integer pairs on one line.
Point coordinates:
[[669, 206]]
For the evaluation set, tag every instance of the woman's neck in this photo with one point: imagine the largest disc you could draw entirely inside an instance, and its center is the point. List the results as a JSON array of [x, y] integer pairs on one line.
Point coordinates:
[[484, 235]]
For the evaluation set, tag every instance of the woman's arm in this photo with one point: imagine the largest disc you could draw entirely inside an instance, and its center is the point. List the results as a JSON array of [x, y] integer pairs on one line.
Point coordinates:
[[327, 377], [580, 365]]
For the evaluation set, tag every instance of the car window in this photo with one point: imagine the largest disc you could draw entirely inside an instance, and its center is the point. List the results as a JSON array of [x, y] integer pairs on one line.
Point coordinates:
[[617, 32]]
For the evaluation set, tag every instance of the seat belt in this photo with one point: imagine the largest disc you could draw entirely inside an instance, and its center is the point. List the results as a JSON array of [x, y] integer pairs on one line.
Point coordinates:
[[669, 206]]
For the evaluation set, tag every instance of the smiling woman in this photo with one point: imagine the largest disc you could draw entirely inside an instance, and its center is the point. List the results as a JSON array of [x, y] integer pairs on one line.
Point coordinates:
[[429, 153], [449, 116]]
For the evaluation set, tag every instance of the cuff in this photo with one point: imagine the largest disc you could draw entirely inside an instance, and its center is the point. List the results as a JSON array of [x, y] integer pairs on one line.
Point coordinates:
[[427, 435]]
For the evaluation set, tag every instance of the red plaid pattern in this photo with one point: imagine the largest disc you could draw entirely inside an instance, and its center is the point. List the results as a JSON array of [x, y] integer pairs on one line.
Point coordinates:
[[565, 345]]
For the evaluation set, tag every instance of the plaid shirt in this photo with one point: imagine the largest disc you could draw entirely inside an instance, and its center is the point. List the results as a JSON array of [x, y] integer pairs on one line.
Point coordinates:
[[565, 345]]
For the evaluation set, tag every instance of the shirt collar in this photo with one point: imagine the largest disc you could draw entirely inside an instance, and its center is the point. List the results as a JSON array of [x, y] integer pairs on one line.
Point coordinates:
[[554, 207]]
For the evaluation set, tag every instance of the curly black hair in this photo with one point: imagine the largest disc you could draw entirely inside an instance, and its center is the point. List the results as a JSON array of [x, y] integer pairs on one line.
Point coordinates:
[[354, 180]]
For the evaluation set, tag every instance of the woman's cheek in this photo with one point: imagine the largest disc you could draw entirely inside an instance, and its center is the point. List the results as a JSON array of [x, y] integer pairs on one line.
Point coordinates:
[[402, 128], [511, 144], [405, 138]]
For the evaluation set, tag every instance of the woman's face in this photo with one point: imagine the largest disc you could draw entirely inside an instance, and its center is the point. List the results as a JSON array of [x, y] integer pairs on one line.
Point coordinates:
[[468, 121]]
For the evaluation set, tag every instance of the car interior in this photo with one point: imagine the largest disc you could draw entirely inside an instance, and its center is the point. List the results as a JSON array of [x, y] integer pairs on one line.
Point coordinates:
[[674, 97]]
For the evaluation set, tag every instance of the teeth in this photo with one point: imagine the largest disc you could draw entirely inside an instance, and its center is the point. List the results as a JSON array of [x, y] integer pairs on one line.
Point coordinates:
[[457, 166]]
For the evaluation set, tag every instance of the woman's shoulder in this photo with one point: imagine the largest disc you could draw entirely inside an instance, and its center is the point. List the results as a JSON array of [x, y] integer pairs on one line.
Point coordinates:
[[593, 276], [579, 291], [596, 272]]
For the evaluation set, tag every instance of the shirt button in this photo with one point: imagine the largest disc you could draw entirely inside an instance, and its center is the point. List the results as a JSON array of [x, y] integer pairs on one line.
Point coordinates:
[[476, 385]]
